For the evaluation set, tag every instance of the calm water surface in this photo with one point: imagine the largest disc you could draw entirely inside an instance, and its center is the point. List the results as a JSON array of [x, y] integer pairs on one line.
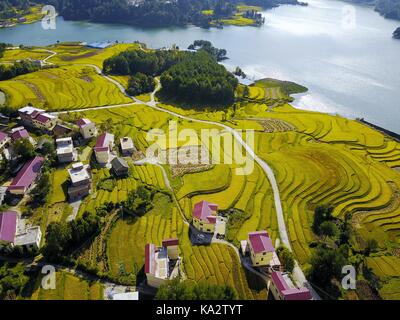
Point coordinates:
[[350, 68]]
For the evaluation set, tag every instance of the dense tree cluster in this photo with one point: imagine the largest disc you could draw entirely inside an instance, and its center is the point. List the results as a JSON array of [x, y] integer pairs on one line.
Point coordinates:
[[140, 200], [12, 280], [199, 80], [150, 63], [151, 13], [286, 258], [388, 8], [140, 83], [62, 237], [188, 290], [17, 69], [218, 54], [8, 8]]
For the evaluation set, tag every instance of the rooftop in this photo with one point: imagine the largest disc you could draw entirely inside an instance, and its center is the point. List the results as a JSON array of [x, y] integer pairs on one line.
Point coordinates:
[[64, 146], [126, 296], [170, 242], [21, 133], [104, 142], [287, 289], [44, 117], [28, 237], [204, 210], [261, 242], [27, 174], [79, 172], [8, 226], [119, 163], [29, 110], [83, 122], [126, 143]]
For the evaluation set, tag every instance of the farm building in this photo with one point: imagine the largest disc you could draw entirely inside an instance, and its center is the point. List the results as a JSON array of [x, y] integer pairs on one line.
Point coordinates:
[[29, 238], [120, 167], [80, 181], [204, 216], [161, 263], [37, 118], [282, 288], [87, 128], [65, 150], [261, 248], [8, 228], [26, 177], [60, 130], [103, 148], [21, 133], [127, 146], [13, 235]]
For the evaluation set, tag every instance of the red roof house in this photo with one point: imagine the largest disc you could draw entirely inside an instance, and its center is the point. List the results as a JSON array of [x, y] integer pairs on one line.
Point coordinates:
[[26, 176], [260, 242], [20, 134], [170, 242], [8, 226], [203, 211], [83, 122], [281, 290]]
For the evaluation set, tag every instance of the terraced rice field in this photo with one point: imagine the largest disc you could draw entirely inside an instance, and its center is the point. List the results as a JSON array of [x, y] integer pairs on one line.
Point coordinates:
[[63, 88], [69, 287], [330, 159], [74, 53]]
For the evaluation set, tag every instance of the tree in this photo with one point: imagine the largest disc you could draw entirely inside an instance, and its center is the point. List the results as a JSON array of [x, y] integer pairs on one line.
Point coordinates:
[[371, 246], [12, 280], [23, 148], [286, 258], [140, 83], [58, 234], [328, 229], [42, 189], [322, 213], [325, 265]]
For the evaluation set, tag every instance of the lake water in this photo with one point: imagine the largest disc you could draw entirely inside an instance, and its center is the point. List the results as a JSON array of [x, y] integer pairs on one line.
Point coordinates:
[[351, 66]]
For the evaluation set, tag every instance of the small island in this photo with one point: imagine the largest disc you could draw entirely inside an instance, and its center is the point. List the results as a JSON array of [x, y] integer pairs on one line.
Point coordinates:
[[396, 33]]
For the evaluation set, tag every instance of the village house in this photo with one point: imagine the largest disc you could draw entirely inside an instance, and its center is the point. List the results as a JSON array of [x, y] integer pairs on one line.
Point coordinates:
[[103, 148], [282, 288], [80, 181], [13, 235], [161, 263], [60, 130], [261, 248], [21, 133], [25, 178], [37, 118], [204, 216], [65, 150], [119, 167], [8, 228], [87, 128], [127, 146]]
